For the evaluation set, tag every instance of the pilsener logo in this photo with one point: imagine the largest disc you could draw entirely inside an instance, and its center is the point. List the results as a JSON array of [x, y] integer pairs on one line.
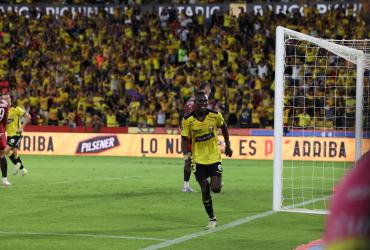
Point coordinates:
[[97, 144]]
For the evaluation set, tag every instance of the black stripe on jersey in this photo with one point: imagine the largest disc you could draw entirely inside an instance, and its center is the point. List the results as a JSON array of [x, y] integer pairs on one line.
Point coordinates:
[[205, 137], [189, 115], [212, 111]]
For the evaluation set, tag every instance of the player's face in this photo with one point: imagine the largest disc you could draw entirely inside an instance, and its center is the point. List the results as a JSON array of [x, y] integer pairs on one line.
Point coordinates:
[[201, 104], [7, 99]]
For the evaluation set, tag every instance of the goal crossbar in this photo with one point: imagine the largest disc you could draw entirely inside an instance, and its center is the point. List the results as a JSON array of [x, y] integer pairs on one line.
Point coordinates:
[[347, 53]]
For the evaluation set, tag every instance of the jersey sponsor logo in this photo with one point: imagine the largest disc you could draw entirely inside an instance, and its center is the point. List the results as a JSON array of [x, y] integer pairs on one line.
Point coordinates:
[[97, 144], [205, 137]]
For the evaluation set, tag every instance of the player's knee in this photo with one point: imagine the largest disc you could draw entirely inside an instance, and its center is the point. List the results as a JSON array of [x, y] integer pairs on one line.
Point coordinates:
[[216, 189]]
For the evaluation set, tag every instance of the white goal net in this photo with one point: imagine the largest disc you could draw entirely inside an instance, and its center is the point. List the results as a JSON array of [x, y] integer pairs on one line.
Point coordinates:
[[321, 117]]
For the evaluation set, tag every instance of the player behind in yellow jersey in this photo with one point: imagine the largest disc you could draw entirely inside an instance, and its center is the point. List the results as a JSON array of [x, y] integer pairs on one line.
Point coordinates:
[[14, 131], [205, 158]]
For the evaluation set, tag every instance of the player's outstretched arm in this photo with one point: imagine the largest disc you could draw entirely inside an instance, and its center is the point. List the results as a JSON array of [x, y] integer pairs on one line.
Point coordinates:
[[225, 133]]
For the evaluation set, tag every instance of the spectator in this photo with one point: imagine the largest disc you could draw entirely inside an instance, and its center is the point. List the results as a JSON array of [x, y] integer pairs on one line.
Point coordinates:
[[304, 119], [96, 123], [53, 115], [134, 60], [161, 118], [111, 119]]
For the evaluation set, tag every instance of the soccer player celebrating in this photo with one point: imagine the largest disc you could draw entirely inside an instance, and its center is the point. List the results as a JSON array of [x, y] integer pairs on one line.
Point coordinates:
[[14, 132], [189, 108], [205, 157], [4, 108]]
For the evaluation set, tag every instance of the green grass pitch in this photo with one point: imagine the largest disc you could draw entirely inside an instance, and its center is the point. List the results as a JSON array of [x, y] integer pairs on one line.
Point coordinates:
[[135, 203]]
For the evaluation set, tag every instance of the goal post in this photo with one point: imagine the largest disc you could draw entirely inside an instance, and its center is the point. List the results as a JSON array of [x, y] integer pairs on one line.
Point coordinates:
[[278, 117], [319, 93], [359, 105]]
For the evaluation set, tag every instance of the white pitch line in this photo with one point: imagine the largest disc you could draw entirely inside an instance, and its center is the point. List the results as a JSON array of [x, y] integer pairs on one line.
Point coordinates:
[[222, 227], [205, 232], [84, 235]]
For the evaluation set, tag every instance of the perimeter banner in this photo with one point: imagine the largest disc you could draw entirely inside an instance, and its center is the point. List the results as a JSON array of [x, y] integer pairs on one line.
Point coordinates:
[[166, 145], [297, 6], [207, 10], [36, 10]]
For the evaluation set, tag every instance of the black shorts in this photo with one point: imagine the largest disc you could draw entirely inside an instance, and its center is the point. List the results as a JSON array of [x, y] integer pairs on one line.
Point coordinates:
[[204, 171], [14, 141]]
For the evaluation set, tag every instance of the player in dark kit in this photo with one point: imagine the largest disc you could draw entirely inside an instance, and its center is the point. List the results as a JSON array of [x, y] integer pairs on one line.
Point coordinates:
[[205, 157], [4, 108], [189, 108]]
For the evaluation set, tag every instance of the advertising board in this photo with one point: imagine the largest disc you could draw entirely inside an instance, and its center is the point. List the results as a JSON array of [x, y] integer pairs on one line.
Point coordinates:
[[169, 145]]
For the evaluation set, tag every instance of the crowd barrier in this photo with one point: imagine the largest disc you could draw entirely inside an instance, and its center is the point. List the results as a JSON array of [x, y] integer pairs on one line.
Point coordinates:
[[169, 145]]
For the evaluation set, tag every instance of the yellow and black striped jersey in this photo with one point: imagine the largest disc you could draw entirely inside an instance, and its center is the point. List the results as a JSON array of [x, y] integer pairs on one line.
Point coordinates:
[[203, 135], [14, 120]]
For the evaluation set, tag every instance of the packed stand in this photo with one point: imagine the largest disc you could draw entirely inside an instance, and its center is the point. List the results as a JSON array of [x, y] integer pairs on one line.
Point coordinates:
[[138, 69]]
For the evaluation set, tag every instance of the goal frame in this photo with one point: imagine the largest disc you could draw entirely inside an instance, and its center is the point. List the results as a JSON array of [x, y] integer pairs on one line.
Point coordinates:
[[353, 55]]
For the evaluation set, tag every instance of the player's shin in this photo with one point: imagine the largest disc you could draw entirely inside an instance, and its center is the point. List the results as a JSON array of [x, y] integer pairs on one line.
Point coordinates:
[[187, 174], [19, 161], [209, 207], [4, 171], [207, 202], [13, 158], [4, 167]]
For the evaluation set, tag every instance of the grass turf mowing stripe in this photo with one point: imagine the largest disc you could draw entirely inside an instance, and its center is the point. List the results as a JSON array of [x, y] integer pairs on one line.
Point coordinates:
[[83, 235]]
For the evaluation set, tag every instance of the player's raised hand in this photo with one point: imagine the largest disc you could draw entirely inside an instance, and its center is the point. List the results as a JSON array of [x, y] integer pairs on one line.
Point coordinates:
[[228, 151]]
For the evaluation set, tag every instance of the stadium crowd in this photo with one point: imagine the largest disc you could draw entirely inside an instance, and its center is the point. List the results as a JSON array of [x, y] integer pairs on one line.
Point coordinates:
[[138, 69]]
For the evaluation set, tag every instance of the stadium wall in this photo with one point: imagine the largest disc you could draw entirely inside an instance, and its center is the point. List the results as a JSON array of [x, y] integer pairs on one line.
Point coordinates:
[[169, 145]]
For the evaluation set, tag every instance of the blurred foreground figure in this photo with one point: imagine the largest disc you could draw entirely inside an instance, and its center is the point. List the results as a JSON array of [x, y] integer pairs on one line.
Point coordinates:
[[348, 224]]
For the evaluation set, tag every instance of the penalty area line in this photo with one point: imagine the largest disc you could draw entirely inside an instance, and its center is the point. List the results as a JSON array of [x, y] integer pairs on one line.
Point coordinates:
[[82, 235]]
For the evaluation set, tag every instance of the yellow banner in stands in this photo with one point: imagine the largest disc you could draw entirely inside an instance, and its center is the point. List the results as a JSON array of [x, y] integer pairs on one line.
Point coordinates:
[[163, 145]]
